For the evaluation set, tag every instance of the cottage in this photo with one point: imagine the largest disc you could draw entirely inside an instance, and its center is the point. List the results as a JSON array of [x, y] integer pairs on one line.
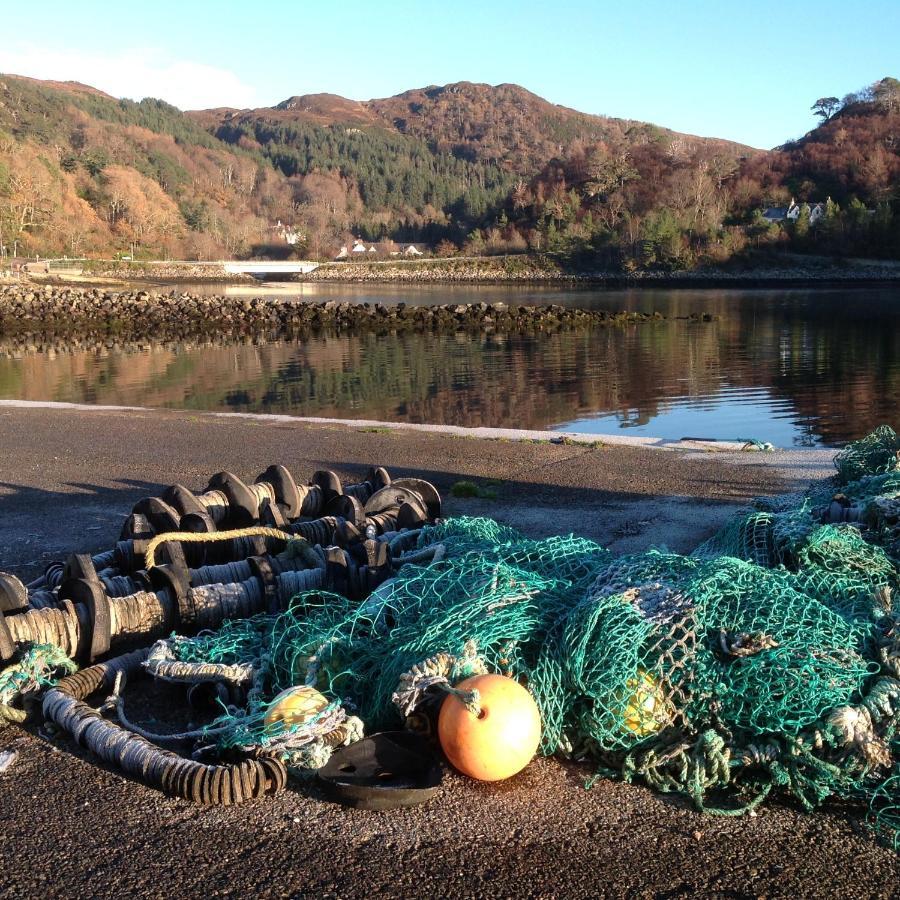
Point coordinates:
[[791, 213], [288, 233], [379, 250]]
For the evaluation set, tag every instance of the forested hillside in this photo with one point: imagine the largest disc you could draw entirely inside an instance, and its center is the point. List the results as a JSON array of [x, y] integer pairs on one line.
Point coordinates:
[[464, 168], [83, 173], [506, 124], [435, 164], [851, 163], [679, 202], [390, 184]]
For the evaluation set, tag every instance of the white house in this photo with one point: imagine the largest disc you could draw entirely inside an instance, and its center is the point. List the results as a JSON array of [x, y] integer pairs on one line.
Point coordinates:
[[288, 233], [379, 250], [791, 213]]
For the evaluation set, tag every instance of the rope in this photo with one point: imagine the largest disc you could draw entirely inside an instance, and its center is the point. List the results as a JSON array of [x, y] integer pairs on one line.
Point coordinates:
[[59, 626], [38, 667], [225, 572], [191, 537], [163, 664], [435, 673], [141, 615], [429, 554], [136, 756]]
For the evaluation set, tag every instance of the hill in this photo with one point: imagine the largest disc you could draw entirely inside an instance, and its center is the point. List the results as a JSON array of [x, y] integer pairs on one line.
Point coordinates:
[[637, 197], [437, 163], [510, 125], [504, 124], [850, 163], [464, 166], [84, 173], [349, 164], [853, 153]]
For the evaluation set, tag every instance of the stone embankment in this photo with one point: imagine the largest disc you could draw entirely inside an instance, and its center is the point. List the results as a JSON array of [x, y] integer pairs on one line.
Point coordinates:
[[500, 269], [63, 311], [162, 271], [487, 270]]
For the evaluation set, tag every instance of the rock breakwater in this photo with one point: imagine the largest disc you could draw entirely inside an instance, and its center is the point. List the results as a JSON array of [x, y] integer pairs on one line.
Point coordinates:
[[26, 311]]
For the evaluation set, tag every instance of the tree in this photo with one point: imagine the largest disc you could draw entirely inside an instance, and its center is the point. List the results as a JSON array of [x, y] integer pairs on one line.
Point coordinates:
[[826, 107], [607, 173], [800, 228], [446, 248], [886, 93]]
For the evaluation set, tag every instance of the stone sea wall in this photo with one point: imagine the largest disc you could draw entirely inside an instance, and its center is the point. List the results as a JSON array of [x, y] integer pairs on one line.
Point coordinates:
[[161, 271], [29, 310], [524, 269]]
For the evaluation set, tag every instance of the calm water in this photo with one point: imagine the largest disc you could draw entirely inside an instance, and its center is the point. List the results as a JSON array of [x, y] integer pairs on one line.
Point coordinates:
[[799, 368]]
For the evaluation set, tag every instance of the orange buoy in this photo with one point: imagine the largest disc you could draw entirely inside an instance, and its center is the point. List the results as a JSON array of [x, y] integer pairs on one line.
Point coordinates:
[[499, 742]]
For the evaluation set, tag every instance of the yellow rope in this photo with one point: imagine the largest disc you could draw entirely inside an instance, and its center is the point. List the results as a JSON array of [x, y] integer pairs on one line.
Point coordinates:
[[192, 537]]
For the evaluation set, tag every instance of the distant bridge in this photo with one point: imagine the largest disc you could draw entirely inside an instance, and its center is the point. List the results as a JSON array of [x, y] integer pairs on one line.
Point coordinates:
[[268, 269]]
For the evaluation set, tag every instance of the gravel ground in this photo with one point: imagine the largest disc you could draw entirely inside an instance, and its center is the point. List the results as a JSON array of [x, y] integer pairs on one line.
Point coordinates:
[[73, 828]]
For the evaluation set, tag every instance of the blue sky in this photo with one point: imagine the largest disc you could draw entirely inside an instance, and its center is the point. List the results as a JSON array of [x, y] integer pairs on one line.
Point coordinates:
[[747, 71]]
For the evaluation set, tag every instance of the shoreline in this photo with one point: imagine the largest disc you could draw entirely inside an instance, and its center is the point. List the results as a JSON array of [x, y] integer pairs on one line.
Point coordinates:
[[534, 269], [524, 269], [509, 435], [757, 279], [546, 478]]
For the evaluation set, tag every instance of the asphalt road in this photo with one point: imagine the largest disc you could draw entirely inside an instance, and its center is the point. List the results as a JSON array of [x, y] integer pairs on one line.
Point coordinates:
[[73, 828]]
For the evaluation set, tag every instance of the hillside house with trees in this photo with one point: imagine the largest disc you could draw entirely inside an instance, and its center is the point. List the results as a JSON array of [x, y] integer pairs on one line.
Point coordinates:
[[792, 212], [361, 250], [288, 233]]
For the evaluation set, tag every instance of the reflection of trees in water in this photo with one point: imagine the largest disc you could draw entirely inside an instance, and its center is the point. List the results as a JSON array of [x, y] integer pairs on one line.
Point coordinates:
[[839, 373]]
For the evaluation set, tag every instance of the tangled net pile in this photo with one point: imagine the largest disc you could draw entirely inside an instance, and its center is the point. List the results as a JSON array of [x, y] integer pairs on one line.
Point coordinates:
[[767, 660]]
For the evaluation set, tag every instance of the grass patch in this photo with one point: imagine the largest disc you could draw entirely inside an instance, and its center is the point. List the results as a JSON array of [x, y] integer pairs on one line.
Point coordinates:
[[566, 441], [468, 489]]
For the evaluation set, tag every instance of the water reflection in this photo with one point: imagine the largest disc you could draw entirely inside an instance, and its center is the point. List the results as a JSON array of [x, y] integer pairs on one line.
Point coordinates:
[[795, 368]]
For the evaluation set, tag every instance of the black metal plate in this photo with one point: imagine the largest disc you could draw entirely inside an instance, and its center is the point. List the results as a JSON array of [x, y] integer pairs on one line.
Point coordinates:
[[383, 771]]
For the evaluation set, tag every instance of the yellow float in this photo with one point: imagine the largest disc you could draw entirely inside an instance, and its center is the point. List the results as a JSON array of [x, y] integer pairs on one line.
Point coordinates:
[[647, 709], [295, 706]]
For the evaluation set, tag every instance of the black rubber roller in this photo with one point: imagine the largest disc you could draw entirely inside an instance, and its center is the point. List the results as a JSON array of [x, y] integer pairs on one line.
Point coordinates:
[[272, 515], [426, 490], [378, 477], [137, 526], [199, 523], [329, 483], [93, 596], [389, 500], [412, 514], [261, 566], [243, 507], [349, 508], [159, 514], [13, 594], [175, 579], [346, 534], [182, 500], [287, 495], [80, 565]]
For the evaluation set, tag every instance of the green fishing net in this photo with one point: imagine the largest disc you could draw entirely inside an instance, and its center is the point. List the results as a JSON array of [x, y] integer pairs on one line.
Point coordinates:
[[767, 538], [766, 660], [874, 454]]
